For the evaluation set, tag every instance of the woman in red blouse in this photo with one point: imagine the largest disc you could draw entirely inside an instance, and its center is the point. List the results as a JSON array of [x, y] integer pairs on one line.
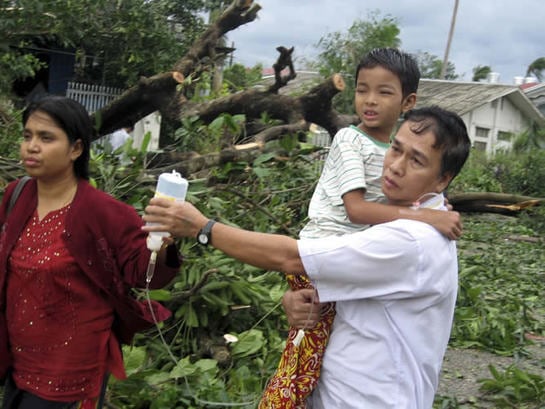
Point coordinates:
[[69, 255]]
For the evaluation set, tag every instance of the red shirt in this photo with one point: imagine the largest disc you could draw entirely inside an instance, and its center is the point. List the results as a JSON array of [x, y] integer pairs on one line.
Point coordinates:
[[61, 348]]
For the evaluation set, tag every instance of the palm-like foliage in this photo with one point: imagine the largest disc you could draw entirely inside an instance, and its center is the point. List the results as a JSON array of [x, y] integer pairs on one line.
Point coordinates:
[[480, 72], [537, 68]]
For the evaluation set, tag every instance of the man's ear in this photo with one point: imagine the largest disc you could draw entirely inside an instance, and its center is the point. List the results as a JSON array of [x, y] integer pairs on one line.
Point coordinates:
[[443, 182], [409, 102]]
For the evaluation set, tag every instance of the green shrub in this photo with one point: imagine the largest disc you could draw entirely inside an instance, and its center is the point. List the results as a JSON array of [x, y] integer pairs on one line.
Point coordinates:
[[477, 175]]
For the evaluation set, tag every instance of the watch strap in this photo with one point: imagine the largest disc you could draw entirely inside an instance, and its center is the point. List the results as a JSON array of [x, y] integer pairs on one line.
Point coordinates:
[[206, 231]]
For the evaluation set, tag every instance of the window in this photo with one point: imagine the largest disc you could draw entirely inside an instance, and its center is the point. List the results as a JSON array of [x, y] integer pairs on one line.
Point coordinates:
[[504, 136], [481, 132], [480, 146]]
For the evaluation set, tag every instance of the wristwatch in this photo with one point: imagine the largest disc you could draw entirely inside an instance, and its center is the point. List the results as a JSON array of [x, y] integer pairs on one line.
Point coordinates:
[[205, 234]]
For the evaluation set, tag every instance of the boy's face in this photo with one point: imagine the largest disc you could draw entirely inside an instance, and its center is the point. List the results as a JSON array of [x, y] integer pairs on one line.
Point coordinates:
[[379, 101], [412, 167]]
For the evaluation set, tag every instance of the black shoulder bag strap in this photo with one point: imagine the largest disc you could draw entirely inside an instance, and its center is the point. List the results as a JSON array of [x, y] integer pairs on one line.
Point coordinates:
[[16, 192]]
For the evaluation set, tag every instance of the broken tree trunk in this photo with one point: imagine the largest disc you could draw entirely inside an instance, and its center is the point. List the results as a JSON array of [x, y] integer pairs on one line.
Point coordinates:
[[161, 92], [486, 202], [165, 92], [149, 95], [296, 113]]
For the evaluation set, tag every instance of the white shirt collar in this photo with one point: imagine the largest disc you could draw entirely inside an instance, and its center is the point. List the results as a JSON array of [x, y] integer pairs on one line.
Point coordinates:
[[430, 201]]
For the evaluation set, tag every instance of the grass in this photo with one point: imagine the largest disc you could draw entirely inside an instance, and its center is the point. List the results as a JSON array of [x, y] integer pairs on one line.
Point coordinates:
[[500, 302]]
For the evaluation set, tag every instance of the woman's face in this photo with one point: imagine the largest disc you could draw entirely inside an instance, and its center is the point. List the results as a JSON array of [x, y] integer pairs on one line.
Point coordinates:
[[46, 151]]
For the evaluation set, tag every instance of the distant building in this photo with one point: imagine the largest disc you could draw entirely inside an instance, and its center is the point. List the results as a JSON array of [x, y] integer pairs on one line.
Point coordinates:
[[536, 93], [53, 78], [493, 113]]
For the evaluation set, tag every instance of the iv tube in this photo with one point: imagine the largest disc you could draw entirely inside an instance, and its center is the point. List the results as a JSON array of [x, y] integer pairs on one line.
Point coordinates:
[[151, 267]]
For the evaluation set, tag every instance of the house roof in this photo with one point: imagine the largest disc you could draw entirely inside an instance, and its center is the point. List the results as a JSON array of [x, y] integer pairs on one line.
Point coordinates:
[[534, 89], [529, 85], [463, 97]]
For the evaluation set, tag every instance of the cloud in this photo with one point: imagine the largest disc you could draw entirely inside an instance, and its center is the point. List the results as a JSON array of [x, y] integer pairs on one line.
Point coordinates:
[[507, 36]]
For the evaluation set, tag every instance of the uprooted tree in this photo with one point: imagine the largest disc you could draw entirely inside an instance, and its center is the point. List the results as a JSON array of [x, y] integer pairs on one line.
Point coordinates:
[[166, 93]]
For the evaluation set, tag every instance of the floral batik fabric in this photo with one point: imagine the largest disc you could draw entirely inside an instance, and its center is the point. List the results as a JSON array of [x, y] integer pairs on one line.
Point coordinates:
[[301, 361]]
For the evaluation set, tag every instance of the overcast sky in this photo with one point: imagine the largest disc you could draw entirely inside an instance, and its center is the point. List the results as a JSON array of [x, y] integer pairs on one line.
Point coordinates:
[[507, 35]]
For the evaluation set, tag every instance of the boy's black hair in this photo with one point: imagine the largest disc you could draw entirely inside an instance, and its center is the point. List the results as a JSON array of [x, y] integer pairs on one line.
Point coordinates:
[[401, 64], [73, 118], [450, 135]]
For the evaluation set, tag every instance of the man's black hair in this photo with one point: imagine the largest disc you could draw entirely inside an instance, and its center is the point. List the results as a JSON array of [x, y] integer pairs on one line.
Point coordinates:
[[450, 135]]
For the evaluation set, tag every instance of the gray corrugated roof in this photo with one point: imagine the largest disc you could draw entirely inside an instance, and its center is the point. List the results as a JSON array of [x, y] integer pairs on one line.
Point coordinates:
[[463, 97], [460, 97]]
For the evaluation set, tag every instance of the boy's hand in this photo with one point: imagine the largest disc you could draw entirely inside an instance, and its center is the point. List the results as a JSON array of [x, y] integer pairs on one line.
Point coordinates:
[[448, 223], [447, 204], [302, 308]]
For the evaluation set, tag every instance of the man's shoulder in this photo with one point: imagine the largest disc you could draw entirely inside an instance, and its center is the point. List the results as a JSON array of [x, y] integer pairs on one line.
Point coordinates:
[[120, 132], [407, 229]]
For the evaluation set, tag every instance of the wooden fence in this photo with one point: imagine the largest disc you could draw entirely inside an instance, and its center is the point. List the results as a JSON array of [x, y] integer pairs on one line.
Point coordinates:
[[92, 97]]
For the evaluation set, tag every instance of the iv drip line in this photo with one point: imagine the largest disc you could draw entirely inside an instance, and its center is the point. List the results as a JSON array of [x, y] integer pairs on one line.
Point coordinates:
[[149, 276]]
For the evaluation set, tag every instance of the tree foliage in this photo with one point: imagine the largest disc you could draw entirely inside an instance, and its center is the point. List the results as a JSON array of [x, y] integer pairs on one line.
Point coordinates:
[[480, 72], [341, 52], [537, 68], [533, 138], [114, 42], [430, 66], [239, 77]]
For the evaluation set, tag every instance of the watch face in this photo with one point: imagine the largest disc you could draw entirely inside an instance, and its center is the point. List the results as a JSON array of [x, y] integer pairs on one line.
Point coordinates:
[[203, 238]]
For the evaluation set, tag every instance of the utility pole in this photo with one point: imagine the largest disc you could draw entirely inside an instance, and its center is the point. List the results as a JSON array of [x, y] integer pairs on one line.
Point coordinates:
[[450, 34]]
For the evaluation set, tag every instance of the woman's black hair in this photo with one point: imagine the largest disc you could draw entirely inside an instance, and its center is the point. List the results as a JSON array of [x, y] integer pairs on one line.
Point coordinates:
[[74, 119]]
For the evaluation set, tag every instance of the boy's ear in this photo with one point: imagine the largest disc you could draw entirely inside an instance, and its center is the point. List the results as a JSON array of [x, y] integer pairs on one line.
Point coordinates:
[[409, 102]]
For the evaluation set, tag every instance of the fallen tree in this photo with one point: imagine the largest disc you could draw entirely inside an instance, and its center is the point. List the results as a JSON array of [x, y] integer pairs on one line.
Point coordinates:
[[487, 202], [167, 93]]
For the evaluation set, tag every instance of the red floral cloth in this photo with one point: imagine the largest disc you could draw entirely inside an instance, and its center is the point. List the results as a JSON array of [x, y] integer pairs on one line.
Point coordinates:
[[300, 364]]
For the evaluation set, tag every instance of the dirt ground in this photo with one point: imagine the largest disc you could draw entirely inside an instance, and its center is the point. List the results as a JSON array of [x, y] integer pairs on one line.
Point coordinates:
[[463, 367]]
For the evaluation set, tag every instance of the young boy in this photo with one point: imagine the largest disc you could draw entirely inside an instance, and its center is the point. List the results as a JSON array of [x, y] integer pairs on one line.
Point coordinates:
[[347, 199]]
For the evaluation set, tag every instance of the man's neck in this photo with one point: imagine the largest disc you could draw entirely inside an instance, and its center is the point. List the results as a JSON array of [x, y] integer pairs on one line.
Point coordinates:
[[430, 200]]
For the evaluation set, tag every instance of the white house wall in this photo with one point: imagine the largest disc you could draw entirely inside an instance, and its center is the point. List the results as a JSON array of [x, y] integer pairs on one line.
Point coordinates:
[[151, 124], [498, 116]]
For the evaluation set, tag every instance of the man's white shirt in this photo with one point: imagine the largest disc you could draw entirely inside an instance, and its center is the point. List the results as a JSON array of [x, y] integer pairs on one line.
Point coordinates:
[[395, 286]]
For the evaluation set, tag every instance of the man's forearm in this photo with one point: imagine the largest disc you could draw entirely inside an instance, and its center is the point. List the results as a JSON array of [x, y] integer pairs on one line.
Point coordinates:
[[267, 251]]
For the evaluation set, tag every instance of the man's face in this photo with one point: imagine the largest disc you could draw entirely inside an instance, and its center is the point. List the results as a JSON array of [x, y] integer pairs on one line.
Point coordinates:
[[412, 167]]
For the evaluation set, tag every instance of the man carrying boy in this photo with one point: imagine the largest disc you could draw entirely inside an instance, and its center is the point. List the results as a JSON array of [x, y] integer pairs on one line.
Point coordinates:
[[348, 195], [348, 198], [394, 284]]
